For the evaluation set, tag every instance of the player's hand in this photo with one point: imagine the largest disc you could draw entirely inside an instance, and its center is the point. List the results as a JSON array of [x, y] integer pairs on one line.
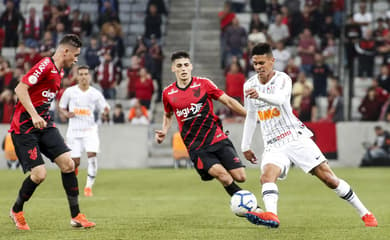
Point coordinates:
[[70, 114], [251, 93], [250, 156], [38, 122], [159, 136]]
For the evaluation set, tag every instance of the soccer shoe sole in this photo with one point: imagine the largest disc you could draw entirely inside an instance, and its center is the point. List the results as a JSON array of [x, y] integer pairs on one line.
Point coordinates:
[[78, 225], [258, 221]]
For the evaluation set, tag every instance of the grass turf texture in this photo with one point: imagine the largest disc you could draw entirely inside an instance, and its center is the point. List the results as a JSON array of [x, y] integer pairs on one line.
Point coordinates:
[[175, 204]]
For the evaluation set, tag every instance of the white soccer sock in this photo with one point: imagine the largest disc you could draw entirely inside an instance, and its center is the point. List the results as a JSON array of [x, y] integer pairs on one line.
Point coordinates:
[[345, 191], [270, 197], [92, 171]]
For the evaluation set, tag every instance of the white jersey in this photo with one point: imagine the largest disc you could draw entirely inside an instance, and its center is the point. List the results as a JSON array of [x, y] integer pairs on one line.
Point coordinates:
[[83, 104], [278, 123]]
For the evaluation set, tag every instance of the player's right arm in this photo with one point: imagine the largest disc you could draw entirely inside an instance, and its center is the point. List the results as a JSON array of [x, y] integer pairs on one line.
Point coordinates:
[[249, 129], [167, 123], [63, 105], [21, 92]]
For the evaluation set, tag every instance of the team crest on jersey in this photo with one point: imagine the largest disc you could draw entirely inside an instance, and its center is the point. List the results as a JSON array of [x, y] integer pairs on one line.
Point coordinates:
[[196, 92]]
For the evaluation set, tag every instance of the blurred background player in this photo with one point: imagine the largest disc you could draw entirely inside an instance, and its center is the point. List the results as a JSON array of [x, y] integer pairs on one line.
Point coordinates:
[[78, 103], [190, 99], [9, 152], [286, 140], [33, 131]]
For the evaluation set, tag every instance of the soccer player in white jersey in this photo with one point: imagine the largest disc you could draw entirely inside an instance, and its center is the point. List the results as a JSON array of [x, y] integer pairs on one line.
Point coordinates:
[[286, 140], [78, 103]]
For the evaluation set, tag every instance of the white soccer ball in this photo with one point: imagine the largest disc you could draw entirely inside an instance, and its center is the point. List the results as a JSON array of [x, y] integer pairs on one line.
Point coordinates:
[[242, 202]]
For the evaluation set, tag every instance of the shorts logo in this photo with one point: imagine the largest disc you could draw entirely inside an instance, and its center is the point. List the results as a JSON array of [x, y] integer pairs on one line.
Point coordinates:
[[236, 160], [33, 153], [199, 163]]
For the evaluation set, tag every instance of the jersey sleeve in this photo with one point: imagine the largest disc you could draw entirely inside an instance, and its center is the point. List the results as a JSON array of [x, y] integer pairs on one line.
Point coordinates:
[[167, 106], [101, 101], [64, 101], [212, 89], [38, 72]]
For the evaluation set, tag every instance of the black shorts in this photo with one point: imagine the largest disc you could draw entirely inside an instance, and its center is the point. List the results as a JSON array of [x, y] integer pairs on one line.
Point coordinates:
[[222, 152], [28, 147]]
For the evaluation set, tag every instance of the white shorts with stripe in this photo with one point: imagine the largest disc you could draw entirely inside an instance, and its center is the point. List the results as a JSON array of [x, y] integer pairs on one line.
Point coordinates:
[[304, 153], [88, 143]]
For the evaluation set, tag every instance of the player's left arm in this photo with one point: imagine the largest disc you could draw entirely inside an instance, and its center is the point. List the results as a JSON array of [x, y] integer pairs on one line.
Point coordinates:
[[233, 104], [278, 97]]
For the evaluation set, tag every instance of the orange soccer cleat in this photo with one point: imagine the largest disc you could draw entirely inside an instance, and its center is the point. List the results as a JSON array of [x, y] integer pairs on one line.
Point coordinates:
[[370, 220], [268, 219], [81, 221], [88, 192], [19, 220]]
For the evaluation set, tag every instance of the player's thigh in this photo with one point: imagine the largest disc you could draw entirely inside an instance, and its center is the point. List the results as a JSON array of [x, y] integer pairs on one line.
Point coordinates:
[[203, 161], [92, 143], [53, 145], [305, 154], [27, 150], [228, 156], [76, 145], [278, 158]]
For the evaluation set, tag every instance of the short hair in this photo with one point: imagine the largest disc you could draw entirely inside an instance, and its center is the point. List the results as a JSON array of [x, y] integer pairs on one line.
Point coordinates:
[[83, 67], [262, 49], [179, 54], [378, 128], [71, 39]]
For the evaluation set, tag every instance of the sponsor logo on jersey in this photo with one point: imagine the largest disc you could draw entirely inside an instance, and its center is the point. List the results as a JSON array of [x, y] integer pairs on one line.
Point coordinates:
[[280, 137], [54, 71], [195, 85], [194, 109], [49, 95], [32, 79], [172, 91], [268, 114], [82, 111], [40, 69]]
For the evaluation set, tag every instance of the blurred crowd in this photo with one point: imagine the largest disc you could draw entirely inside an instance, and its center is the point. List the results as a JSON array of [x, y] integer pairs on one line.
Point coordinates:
[[35, 35], [306, 38]]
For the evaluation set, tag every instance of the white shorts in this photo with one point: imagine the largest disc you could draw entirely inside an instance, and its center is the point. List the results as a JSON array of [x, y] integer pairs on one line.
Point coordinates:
[[304, 153], [88, 143]]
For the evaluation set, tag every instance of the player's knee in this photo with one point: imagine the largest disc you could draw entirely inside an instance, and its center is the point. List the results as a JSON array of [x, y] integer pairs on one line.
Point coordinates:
[[38, 176], [76, 162], [68, 166], [240, 177]]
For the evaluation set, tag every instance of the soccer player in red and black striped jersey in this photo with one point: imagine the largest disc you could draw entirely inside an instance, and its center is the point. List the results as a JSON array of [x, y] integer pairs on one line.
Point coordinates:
[[190, 99], [33, 131]]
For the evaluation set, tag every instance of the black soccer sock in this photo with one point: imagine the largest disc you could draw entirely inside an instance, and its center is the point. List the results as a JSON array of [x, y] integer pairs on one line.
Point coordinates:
[[69, 181], [25, 192], [232, 188]]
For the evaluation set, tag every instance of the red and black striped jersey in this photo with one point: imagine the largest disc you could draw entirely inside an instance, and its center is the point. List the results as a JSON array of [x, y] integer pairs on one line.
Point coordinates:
[[193, 107], [44, 80]]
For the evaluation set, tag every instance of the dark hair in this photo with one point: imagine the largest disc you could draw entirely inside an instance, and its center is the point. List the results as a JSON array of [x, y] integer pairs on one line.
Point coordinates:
[[71, 39], [83, 67], [377, 128], [179, 54], [262, 49]]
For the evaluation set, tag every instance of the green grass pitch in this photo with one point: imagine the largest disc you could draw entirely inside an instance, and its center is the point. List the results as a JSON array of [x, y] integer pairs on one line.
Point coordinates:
[[174, 204]]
